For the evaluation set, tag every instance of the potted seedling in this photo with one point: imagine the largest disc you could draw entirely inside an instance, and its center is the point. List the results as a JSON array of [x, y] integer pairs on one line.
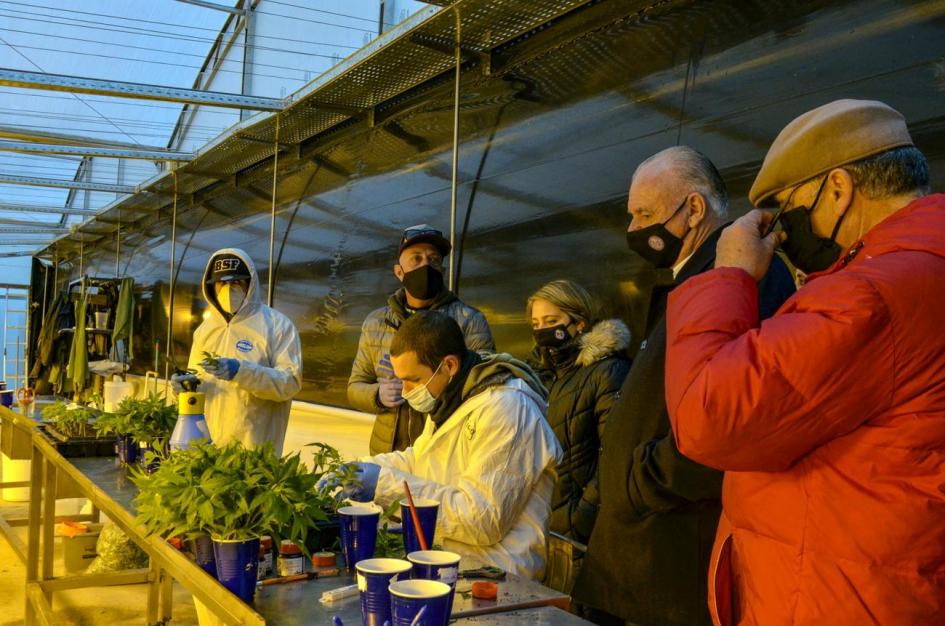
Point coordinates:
[[235, 495], [144, 424]]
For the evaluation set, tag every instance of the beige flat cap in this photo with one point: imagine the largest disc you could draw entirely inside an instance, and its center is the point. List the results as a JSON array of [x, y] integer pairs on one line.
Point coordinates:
[[829, 136]]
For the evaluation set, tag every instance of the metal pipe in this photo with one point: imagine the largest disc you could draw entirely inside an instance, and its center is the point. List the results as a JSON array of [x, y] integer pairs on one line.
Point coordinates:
[[272, 215], [455, 173], [170, 312]]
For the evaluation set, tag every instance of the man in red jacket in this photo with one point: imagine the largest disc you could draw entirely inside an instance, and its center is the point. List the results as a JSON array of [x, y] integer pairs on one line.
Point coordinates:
[[828, 418]]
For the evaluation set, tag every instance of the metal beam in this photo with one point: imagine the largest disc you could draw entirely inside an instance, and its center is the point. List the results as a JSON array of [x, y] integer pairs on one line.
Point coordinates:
[[211, 5], [143, 91], [41, 136], [27, 208], [51, 230], [10, 221], [12, 179], [93, 151]]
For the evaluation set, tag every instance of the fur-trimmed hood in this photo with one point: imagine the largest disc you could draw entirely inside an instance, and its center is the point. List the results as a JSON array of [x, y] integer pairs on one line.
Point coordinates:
[[607, 337]]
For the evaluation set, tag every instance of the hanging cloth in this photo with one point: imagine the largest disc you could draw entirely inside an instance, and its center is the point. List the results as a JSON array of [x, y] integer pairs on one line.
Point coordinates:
[[78, 370], [124, 318]]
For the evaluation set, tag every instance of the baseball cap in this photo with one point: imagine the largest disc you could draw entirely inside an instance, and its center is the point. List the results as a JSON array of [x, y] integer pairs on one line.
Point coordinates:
[[424, 233], [228, 267]]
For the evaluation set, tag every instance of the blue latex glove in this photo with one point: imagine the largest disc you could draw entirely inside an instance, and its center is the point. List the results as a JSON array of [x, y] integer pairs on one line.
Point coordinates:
[[225, 368], [368, 474]]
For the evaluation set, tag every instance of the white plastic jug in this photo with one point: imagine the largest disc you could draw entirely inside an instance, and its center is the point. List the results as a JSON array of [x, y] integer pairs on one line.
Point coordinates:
[[117, 390]]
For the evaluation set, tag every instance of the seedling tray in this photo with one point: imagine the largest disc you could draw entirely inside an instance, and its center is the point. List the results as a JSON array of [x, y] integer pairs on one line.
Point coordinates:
[[73, 447]]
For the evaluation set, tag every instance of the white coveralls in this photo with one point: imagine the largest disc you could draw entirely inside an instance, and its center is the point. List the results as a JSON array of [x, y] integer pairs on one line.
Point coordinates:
[[254, 407], [491, 467]]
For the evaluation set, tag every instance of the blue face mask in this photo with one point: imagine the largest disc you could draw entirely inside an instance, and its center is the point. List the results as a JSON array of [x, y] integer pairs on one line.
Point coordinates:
[[420, 397]]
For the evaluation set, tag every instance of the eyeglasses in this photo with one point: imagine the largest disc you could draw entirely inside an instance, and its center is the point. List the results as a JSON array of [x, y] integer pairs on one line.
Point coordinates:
[[782, 208]]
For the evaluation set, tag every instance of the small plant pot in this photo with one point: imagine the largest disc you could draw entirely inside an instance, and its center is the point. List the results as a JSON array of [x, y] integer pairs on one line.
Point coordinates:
[[237, 564], [127, 449], [204, 554]]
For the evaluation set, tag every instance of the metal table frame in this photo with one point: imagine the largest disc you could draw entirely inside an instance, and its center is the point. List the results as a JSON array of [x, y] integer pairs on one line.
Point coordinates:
[[52, 476]]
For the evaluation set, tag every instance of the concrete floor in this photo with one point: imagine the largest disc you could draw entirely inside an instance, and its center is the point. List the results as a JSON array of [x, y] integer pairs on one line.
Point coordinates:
[[80, 607]]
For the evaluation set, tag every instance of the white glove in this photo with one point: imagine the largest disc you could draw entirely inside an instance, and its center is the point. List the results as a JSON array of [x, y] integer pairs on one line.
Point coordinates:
[[388, 392]]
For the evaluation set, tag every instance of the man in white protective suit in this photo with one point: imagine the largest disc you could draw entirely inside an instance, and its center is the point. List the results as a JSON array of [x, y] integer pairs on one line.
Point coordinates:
[[250, 386], [487, 454]]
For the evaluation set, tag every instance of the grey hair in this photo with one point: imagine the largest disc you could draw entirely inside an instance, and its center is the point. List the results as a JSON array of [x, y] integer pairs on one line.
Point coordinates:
[[891, 173], [696, 171]]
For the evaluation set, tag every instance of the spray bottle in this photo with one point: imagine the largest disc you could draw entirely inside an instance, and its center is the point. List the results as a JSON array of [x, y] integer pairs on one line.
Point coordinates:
[[191, 423]]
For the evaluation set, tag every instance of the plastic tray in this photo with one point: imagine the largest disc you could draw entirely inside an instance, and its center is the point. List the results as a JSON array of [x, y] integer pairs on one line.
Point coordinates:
[[72, 447]]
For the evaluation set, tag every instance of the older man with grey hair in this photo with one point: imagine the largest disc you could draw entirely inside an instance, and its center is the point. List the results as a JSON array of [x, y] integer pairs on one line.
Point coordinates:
[[649, 552]]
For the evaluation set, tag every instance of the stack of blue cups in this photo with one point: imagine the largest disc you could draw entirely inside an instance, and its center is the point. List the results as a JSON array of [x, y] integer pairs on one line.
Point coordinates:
[[375, 577], [437, 565]]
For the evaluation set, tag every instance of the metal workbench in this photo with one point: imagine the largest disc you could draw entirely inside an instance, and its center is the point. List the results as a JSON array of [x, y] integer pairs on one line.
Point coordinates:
[[112, 492]]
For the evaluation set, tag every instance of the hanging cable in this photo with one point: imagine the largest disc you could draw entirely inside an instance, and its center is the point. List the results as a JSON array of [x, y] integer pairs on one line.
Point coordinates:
[[163, 63], [272, 216], [161, 50], [162, 34]]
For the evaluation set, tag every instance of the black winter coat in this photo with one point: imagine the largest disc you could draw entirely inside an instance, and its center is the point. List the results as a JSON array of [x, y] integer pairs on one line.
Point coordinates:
[[648, 557], [579, 398]]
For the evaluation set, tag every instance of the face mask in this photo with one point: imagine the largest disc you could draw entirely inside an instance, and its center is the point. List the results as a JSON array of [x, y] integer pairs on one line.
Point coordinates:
[[423, 283], [231, 298], [420, 397], [552, 337], [655, 243], [808, 251]]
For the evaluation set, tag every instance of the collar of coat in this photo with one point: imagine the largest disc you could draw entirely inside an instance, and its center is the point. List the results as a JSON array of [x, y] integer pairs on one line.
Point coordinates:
[[916, 227], [607, 337], [397, 310]]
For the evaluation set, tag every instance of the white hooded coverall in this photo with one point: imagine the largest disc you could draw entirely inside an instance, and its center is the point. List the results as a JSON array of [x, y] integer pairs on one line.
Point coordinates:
[[253, 407], [491, 467]]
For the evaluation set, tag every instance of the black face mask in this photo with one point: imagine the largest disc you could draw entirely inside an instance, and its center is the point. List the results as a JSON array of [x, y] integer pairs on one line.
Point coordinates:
[[552, 337], [423, 283], [808, 251], [655, 243]]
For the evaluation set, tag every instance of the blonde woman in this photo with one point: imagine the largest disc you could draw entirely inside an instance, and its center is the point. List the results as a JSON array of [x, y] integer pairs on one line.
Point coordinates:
[[583, 363]]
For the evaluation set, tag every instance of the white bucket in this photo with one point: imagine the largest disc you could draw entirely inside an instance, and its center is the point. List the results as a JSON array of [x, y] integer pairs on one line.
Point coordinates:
[[116, 391], [14, 471], [101, 320]]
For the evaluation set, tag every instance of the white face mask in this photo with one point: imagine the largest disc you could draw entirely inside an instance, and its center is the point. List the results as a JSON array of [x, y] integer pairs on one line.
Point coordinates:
[[231, 297], [420, 397]]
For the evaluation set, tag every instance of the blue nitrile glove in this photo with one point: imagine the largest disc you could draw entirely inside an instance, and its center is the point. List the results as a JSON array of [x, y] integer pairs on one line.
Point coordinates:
[[184, 381], [225, 368], [367, 475]]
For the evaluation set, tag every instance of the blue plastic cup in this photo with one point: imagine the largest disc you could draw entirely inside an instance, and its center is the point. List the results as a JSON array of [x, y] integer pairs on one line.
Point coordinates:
[[237, 565], [427, 511], [374, 577], [358, 532], [203, 554], [437, 565], [409, 596]]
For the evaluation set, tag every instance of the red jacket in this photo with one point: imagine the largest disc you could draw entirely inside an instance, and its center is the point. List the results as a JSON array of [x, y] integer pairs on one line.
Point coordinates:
[[829, 420]]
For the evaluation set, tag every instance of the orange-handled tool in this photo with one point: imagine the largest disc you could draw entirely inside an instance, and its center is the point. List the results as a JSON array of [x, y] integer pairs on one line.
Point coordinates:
[[416, 518]]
